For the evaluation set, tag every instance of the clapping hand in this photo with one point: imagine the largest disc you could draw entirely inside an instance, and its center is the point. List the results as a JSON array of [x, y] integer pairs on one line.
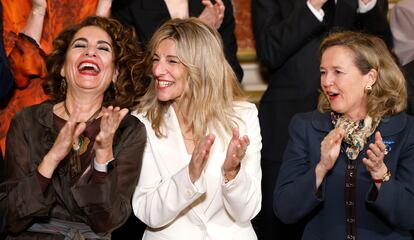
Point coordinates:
[[63, 144], [374, 162], [235, 154], [200, 156], [330, 148], [111, 118], [212, 14]]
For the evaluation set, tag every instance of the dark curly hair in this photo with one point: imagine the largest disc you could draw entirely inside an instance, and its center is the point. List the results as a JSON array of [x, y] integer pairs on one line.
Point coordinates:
[[128, 59]]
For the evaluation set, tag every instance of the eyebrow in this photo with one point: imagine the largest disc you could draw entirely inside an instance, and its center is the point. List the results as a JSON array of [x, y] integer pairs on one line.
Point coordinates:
[[86, 40]]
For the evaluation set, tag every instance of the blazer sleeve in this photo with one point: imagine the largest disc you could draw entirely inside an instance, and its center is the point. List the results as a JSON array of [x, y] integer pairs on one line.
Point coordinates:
[[295, 193], [157, 201], [22, 196], [107, 203], [395, 197], [242, 197], [226, 31], [279, 37]]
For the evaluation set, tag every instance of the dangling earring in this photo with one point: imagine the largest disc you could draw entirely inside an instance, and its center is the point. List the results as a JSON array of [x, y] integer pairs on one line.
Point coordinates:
[[114, 87], [63, 86], [368, 89]]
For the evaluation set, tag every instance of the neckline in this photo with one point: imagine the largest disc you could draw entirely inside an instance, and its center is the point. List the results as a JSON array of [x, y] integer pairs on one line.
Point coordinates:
[[90, 119]]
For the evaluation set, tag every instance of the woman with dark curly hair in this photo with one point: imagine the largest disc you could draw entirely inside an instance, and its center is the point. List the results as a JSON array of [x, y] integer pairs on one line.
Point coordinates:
[[73, 162]]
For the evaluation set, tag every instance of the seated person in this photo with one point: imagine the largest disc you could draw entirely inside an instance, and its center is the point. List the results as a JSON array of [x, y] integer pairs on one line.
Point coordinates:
[[73, 162], [201, 171]]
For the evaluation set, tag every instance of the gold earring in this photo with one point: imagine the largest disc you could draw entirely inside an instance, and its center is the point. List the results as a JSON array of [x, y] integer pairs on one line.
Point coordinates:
[[63, 86], [368, 89]]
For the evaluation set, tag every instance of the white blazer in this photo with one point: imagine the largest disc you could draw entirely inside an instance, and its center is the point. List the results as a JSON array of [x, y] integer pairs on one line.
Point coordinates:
[[174, 208]]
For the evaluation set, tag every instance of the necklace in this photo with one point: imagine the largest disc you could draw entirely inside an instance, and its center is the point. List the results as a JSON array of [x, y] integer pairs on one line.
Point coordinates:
[[80, 144]]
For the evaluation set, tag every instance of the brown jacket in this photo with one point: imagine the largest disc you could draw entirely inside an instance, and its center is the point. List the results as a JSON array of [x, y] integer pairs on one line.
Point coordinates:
[[103, 205]]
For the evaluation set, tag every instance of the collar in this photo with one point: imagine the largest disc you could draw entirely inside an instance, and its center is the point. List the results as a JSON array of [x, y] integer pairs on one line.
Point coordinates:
[[44, 113], [389, 125]]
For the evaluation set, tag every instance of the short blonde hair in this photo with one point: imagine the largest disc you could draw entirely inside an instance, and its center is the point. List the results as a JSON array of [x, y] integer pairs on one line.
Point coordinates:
[[389, 93], [211, 85]]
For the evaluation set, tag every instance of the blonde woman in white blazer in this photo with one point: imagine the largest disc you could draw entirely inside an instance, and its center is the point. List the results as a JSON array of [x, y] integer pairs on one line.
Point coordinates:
[[201, 173]]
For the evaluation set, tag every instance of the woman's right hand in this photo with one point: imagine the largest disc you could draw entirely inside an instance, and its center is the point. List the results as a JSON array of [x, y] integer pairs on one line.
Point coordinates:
[[62, 146], [200, 156], [330, 147]]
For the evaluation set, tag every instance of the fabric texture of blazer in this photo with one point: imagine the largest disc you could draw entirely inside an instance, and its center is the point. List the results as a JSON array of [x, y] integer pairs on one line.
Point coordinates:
[[174, 208], [381, 214], [147, 15]]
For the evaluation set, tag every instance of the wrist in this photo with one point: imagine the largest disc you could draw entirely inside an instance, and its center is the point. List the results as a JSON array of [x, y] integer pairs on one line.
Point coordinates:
[[47, 166], [229, 175], [381, 176], [380, 173], [39, 10], [103, 158], [321, 170]]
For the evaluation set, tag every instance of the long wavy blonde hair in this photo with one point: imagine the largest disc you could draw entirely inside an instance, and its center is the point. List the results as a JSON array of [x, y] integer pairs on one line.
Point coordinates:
[[211, 85], [389, 93]]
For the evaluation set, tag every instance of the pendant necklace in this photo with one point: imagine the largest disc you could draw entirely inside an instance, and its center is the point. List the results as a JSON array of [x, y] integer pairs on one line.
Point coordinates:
[[80, 144]]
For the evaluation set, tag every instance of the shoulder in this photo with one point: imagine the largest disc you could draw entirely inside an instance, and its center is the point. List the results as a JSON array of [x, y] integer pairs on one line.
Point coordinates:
[[142, 117], [39, 112], [396, 124], [131, 122], [245, 111], [312, 120], [244, 107]]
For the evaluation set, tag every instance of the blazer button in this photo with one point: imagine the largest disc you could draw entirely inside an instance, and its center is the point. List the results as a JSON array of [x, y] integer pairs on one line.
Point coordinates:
[[350, 237], [350, 220]]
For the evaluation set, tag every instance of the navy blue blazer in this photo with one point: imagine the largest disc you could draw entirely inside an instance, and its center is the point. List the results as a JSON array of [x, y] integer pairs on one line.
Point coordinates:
[[388, 216]]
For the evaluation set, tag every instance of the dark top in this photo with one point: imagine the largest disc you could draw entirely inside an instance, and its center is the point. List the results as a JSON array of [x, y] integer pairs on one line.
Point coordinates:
[[103, 205], [146, 16], [384, 214], [409, 76]]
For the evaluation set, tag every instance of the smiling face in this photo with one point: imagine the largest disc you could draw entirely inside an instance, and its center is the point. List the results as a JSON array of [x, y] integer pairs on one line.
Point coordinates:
[[343, 83], [89, 62], [168, 71]]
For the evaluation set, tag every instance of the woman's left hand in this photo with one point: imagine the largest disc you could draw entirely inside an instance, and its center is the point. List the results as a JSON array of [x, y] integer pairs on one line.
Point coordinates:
[[235, 153], [111, 118], [374, 162]]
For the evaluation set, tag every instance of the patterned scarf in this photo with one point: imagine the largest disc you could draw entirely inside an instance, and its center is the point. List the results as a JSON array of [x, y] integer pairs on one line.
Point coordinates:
[[356, 132]]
